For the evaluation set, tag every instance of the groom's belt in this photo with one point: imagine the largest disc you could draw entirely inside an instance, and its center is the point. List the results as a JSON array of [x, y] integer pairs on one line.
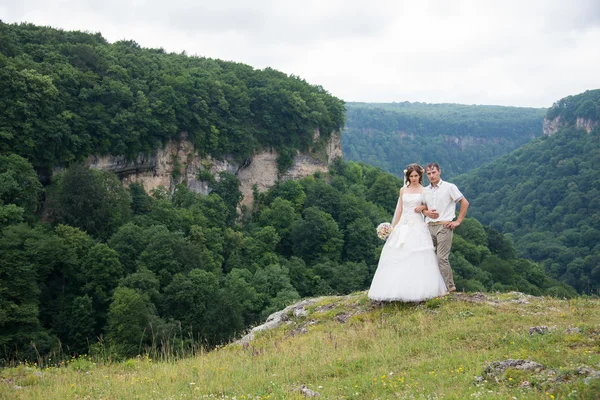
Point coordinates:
[[438, 222]]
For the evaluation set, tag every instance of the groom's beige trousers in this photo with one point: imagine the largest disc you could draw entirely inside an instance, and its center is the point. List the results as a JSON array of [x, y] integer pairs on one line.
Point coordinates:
[[442, 241]]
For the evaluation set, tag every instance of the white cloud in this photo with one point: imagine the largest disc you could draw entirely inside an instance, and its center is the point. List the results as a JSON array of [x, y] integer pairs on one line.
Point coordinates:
[[473, 52]]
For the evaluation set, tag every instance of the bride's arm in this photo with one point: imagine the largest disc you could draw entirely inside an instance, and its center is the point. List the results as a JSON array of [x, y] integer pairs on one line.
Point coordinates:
[[420, 208], [398, 212]]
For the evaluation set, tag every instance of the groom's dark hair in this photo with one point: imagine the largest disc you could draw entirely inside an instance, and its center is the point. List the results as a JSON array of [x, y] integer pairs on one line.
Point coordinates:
[[433, 165]]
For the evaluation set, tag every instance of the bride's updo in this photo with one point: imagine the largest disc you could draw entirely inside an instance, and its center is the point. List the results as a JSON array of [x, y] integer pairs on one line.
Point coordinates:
[[409, 170]]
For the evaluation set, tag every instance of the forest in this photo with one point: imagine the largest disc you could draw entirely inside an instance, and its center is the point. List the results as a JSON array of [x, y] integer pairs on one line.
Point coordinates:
[[546, 195], [458, 137], [65, 95], [112, 270]]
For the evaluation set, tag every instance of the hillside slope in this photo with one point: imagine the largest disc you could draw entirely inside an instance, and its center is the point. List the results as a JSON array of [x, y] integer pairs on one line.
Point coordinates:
[[349, 348], [546, 194], [66, 95], [458, 137]]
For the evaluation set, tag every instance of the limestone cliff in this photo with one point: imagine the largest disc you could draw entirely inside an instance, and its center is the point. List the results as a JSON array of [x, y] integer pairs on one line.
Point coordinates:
[[178, 162], [551, 126]]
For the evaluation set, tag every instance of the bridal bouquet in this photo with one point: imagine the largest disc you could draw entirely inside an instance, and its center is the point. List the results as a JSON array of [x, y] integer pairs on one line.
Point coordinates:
[[384, 230]]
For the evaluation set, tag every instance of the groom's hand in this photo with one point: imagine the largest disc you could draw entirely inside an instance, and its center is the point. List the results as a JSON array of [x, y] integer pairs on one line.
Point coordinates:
[[452, 225], [431, 214]]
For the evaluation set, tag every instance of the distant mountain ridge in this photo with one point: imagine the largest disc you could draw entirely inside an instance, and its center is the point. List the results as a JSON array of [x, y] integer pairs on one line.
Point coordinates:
[[458, 137], [546, 194]]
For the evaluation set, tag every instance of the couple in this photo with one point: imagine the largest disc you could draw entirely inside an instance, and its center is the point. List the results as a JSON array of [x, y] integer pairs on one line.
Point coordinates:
[[414, 262]]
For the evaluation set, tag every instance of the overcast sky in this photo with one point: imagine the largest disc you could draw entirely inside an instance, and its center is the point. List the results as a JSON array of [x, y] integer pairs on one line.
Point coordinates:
[[504, 52]]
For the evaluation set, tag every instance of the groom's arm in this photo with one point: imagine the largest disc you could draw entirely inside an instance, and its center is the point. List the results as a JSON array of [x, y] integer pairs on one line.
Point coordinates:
[[464, 206]]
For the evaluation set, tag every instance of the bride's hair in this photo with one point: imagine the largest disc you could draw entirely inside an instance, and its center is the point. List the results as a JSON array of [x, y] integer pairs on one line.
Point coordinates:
[[409, 170]]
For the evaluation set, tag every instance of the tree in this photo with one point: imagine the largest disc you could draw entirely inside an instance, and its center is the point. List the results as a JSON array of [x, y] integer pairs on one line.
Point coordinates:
[[91, 200], [19, 292], [195, 300], [80, 324], [102, 271], [160, 254], [360, 242], [10, 215], [349, 277], [228, 188], [473, 232], [281, 215], [290, 190], [129, 242], [316, 237], [129, 317], [273, 285], [145, 282], [502, 271], [141, 202], [324, 196], [238, 287], [19, 184], [384, 192]]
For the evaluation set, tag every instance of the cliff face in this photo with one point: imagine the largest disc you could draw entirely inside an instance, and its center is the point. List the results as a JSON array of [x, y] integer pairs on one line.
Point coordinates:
[[551, 126], [178, 162]]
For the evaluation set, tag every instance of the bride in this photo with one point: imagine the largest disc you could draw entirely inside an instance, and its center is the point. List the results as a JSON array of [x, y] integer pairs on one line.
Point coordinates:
[[408, 269]]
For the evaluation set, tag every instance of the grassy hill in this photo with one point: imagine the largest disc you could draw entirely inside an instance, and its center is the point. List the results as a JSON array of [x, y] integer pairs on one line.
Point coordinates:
[[350, 348]]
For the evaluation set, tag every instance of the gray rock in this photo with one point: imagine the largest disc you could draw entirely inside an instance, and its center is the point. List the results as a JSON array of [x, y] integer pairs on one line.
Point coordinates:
[[498, 367], [592, 373], [300, 312], [276, 319], [572, 330], [343, 318], [538, 329], [309, 393], [300, 331]]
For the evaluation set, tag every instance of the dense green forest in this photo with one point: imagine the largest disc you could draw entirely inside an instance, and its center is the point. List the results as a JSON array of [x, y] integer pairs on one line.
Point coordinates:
[[66, 95], [546, 195], [113, 270], [458, 137]]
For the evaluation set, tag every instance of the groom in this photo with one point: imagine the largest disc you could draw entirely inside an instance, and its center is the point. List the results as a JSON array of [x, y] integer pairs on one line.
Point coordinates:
[[441, 198]]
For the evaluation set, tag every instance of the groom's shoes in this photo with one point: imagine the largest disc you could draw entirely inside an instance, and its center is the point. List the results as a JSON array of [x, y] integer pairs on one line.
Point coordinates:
[[452, 289]]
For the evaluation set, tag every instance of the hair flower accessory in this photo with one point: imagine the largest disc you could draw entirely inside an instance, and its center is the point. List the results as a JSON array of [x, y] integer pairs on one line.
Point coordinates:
[[383, 230]]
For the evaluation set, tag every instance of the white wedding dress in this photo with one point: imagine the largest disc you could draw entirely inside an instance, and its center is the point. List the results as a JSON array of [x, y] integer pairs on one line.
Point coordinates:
[[408, 268]]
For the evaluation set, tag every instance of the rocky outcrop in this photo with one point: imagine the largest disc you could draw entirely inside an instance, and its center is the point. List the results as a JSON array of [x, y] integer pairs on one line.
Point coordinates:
[[334, 146], [586, 124], [278, 318], [178, 162], [553, 125]]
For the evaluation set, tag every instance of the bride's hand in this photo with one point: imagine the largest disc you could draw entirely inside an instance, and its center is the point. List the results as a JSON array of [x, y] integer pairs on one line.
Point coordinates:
[[420, 208]]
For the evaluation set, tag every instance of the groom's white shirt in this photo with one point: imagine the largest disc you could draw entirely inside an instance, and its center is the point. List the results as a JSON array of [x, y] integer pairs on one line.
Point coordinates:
[[443, 198]]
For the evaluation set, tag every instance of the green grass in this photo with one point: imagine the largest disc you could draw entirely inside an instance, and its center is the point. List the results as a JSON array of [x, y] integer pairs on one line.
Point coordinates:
[[432, 350]]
